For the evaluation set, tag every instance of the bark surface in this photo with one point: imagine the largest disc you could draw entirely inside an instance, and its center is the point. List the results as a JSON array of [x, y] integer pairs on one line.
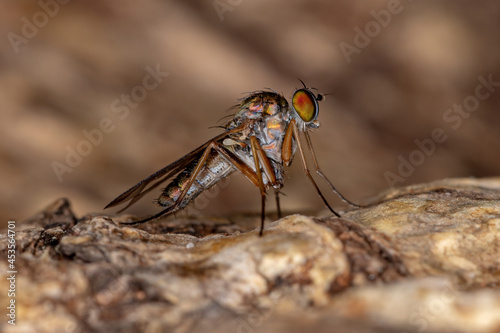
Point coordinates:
[[424, 258]]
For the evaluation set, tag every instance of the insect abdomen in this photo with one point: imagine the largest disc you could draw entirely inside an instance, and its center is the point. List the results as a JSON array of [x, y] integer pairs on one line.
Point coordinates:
[[215, 169]]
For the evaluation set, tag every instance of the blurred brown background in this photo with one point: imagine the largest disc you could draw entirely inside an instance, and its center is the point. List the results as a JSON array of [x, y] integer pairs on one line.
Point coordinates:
[[64, 76]]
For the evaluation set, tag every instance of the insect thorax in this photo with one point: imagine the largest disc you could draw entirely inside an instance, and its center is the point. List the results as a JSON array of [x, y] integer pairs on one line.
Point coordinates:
[[266, 116]]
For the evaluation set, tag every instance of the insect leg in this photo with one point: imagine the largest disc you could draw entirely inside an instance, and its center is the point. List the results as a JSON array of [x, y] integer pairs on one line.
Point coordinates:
[[189, 183], [269, 172], [278, 206], [137, 191], [295, 130], [230, 156], [320, 172], [256, 150]]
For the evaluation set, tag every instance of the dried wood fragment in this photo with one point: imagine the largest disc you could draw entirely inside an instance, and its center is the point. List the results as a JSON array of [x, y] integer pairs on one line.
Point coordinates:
[[421, 258]]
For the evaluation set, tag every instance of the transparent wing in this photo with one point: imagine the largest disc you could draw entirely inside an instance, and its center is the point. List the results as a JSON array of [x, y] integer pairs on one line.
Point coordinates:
[[137, 191]]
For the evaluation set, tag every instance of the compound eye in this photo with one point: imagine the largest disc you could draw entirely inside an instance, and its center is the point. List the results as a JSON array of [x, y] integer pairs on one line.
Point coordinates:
[[305, 104]]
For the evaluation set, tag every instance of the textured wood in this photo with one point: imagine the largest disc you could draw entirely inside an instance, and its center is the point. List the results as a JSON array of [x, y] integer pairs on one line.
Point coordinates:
[[420, 258]]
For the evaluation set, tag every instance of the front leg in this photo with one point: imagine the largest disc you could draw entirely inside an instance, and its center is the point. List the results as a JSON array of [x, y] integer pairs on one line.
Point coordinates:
[[320, 172], [287, 153]]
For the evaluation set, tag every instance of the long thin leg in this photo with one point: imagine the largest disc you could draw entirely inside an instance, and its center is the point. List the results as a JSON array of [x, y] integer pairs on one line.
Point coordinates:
[[269, 172], [320, 172], [189, 183], [306, 169], [137, 191], [278, 206], [255, 152], [233, 159]]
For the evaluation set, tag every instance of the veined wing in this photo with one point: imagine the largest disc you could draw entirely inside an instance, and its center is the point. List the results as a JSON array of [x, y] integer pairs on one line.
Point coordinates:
[[156, 179]]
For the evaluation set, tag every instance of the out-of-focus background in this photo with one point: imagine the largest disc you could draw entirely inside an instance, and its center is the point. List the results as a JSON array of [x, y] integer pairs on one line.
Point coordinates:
[[393, 70]]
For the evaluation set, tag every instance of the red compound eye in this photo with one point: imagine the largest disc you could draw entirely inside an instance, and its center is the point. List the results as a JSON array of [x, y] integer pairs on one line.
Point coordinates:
[[305, 104]]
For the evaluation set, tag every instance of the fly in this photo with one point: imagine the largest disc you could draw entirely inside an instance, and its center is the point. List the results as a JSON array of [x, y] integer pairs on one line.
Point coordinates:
[[259, 142]]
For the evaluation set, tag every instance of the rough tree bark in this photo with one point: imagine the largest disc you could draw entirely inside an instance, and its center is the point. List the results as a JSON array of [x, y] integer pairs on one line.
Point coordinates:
[[423, 258]]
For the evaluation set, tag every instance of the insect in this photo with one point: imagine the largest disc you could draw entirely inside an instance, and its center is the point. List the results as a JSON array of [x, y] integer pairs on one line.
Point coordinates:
[[260, 140]]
